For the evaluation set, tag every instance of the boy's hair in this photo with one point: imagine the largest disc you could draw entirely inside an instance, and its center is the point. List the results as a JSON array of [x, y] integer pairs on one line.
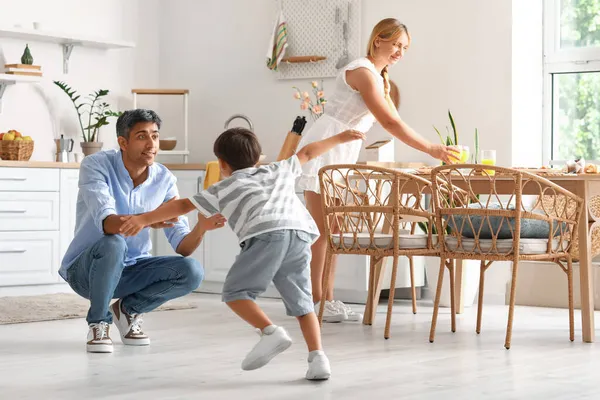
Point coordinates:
[[238, 147]]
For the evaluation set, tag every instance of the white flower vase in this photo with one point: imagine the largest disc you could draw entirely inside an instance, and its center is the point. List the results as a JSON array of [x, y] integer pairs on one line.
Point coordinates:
[[471, 269]]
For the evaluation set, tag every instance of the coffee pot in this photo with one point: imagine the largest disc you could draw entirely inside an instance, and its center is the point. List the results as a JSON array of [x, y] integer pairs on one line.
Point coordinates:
[[63, 148]]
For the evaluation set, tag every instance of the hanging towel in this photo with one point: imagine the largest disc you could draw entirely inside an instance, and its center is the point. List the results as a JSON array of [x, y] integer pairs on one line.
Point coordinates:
[[278, 43], [213, 174]]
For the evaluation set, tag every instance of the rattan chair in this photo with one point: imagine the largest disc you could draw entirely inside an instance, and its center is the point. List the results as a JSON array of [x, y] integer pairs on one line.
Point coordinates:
[[365, 208], [486, 226]]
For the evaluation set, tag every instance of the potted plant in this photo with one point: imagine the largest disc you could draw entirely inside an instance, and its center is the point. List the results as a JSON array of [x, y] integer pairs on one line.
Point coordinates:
[[93, 114], [471, 267]]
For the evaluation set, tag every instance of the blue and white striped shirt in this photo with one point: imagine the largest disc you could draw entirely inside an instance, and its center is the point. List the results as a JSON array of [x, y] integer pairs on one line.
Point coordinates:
[[259, 200]]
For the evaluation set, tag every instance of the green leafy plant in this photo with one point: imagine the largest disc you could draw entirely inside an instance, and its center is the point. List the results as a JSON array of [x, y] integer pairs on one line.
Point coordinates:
[[452, 140], [93, 109]]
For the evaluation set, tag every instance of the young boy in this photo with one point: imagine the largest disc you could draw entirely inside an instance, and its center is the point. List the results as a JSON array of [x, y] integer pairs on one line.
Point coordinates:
[[275, 232]]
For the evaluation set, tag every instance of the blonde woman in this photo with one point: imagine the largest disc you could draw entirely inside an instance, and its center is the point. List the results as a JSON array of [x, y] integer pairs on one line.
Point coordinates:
[[361, 97]]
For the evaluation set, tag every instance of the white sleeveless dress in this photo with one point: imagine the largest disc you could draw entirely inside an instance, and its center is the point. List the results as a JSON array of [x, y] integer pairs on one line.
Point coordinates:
[[345, 109]]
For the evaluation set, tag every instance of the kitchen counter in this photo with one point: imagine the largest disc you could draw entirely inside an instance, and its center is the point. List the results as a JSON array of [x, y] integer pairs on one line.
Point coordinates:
[[74, 165]]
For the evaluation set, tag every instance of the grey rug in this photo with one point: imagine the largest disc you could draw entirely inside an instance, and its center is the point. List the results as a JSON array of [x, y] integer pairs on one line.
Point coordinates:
[[48, 307]]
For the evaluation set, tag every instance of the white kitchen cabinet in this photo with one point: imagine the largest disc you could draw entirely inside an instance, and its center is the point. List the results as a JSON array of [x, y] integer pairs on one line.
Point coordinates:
[[29, 258], [69, 189], [188, 184], [29, 211]]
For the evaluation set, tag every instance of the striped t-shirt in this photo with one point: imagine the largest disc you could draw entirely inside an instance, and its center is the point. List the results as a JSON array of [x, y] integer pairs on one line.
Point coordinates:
[[259, 200]]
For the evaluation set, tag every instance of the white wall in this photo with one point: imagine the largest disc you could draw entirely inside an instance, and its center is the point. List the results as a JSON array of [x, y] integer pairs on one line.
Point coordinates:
[[43, 111], [460, 59]]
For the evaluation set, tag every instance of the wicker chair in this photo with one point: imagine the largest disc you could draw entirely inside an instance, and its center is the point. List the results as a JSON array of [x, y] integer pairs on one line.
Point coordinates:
[[481, 226], [365, 208]]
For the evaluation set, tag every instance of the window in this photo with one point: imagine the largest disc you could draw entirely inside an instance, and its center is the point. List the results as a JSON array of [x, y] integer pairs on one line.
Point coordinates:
[[571, 80]]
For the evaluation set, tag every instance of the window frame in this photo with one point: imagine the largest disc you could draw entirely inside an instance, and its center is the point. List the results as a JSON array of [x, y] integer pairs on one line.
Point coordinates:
[[559, 61]]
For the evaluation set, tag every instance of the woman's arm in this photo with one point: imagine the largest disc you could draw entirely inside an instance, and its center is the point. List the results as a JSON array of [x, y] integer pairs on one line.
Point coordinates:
[[363, 80]]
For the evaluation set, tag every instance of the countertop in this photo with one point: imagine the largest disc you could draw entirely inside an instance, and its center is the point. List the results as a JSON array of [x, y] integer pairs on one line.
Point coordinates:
[[74, 165]]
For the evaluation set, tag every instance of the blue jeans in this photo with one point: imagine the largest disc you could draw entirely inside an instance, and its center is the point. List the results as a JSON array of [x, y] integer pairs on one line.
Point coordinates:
[[99, 274]]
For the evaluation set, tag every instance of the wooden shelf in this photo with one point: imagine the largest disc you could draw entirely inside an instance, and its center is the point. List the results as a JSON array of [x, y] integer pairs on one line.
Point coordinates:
[[62, 38], [67, 41], [161, 91], [10, 78], [173, 152], [303, 59]]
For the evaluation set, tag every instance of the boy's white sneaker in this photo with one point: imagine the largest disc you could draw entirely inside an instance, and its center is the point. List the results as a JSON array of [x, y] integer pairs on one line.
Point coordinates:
[[331, 313], [98, 339], [318, 366], [351, 315], [273, 340]]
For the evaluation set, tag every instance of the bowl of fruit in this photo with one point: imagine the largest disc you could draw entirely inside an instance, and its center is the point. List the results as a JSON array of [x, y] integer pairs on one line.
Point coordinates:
[[15, 147]]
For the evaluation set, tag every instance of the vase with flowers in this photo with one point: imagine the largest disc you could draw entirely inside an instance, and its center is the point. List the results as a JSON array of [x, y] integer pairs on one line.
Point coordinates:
[[316, 107]]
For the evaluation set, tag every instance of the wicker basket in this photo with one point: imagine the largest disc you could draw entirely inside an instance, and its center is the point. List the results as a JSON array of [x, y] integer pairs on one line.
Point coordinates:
[[16, 151], [594, 209]]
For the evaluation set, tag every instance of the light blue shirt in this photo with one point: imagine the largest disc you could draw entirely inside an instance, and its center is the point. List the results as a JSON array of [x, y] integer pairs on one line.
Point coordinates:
[[105, 188]]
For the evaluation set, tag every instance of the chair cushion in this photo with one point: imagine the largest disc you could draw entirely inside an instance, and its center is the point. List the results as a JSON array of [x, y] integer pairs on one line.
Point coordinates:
[[406, 241], [530, 228], [504, 246]]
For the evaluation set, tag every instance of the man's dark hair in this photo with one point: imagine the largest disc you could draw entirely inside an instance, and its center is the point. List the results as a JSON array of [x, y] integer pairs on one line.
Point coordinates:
[[129, 118], [238, 147]]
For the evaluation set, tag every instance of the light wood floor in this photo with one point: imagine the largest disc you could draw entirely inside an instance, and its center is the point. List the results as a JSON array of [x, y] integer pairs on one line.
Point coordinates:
[[196, 354]]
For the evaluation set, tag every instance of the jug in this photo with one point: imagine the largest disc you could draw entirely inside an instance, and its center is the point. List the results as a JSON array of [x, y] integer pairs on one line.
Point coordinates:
[[63, 148]]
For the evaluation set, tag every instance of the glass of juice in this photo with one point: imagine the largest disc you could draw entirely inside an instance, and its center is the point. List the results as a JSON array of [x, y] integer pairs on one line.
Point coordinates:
[[463, 155], [488, 157]]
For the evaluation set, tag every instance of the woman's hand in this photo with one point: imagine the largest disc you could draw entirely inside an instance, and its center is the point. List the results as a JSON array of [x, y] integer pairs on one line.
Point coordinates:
[[448, 154]]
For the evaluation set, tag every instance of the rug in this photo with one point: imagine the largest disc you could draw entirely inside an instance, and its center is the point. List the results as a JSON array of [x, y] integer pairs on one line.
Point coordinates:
[[48, 307]]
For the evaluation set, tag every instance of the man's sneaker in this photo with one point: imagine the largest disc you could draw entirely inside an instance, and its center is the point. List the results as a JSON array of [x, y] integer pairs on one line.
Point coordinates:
[[318, 366], [273, 340], [351, 315], [331, 313], [98, 339], [130, 326]]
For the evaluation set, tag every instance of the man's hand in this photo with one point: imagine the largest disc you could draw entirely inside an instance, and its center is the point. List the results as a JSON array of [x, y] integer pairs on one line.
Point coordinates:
[[208, 224], [351, 135], [132, 225]]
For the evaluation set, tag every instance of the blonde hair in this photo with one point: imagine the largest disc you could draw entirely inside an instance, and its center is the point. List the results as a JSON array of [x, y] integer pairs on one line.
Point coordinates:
[[386, 29]]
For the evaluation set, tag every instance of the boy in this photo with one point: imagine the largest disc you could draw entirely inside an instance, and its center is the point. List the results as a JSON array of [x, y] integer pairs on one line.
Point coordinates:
[[275, 232]]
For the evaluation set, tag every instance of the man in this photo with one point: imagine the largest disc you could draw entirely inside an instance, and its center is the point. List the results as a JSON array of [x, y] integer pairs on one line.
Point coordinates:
[[100, 264]]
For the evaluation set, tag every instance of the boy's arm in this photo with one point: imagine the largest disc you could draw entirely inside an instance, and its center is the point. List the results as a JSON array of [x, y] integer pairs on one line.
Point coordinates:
[[315, 149], [134, 224]]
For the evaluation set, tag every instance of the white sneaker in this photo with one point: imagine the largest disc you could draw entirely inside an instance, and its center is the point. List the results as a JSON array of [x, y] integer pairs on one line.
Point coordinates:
[[98, 339], [351, 315], [331, 313], [273, 340], [130, 326], [318, 366]]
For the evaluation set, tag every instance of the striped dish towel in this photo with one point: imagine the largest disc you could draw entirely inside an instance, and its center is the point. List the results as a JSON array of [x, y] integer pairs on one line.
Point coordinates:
[[278, 43]]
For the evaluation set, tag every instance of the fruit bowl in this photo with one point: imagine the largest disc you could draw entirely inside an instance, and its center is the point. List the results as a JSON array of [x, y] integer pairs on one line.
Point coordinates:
[[15, 147], [16, 150], [167, 144]]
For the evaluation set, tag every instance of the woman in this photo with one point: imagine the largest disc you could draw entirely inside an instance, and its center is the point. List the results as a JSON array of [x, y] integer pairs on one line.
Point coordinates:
[[361, 96]]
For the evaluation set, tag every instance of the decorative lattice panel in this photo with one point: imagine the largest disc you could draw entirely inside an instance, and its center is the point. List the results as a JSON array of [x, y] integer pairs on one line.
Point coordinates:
[[315, 29]]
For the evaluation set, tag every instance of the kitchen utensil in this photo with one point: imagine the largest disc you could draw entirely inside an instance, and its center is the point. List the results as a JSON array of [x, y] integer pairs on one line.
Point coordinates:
[[63, 148], [167, 144], [290, 145], [344, 59]]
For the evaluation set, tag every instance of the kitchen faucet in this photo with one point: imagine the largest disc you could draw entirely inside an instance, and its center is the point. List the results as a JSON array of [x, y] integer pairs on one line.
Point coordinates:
[[234, 116]]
